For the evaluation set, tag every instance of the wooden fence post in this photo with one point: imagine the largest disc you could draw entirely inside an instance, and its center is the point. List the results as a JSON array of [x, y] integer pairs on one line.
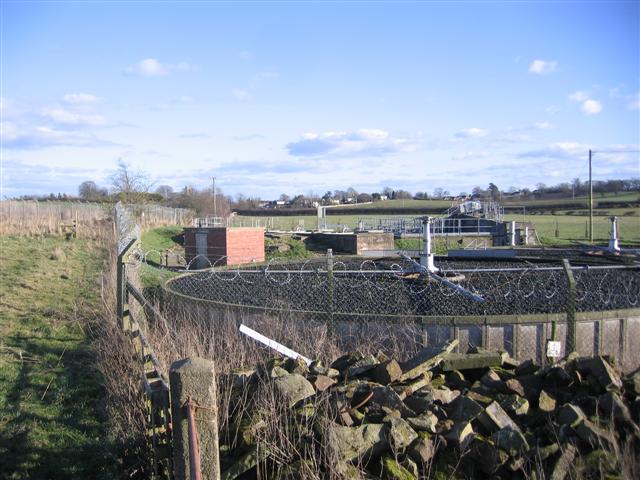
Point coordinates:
[[194, 413], [121, 283]]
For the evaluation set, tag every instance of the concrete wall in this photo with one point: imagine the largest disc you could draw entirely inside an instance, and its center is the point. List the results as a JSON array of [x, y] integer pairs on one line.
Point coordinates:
[[614, 333], [354, 243]]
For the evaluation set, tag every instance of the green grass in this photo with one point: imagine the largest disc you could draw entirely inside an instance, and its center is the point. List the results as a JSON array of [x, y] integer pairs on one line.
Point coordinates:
[[571, 227], [51, 420], [415, 243], [152, 243], [297, 249], [408, 203], [151, 276], [158, 239]]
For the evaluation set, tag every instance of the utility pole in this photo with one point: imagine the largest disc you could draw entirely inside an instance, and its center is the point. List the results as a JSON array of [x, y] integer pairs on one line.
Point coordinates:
[[213, 190], [590, 200]]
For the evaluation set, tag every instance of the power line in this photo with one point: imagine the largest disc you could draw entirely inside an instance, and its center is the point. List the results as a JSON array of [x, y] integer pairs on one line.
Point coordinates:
[[615, 151]]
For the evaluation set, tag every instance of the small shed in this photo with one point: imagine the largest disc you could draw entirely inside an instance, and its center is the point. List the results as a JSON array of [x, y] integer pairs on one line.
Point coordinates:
[[223, 245]]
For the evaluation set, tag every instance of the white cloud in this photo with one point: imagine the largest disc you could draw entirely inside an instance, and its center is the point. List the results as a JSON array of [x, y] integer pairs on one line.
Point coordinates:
[[552, 109], [80, 98], [543, 67], [634, 103], [591, 107], [150, 67], [37, 137], [473, 132], [361, 143], [544, 125], [558, 150], [578, 96], [67, 117], [240, 94]]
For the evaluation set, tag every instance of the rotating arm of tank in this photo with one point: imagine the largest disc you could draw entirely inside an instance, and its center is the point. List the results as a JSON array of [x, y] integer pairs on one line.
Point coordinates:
[[462, 291]]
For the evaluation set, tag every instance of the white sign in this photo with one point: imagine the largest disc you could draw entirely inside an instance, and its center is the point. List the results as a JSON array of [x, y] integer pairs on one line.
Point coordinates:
[[553, 348], [272, 344]]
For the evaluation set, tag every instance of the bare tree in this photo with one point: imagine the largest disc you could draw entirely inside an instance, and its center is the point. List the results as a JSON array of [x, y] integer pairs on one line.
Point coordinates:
[[165, 190], [131, 186], [88, 190]]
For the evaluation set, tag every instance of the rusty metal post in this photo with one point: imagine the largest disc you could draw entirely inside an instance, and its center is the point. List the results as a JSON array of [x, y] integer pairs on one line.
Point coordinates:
[[195, 420], [194, 448]]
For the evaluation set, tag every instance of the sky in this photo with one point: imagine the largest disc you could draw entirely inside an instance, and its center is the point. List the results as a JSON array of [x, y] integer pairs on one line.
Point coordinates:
[[302, 97]]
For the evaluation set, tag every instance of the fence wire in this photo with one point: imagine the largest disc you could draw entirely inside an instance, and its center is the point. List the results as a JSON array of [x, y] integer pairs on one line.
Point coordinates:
[[394, 288], [393, 300]]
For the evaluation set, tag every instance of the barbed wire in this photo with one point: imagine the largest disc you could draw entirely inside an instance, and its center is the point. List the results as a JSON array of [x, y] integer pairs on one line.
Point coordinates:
[[390, 299], [394, 287]]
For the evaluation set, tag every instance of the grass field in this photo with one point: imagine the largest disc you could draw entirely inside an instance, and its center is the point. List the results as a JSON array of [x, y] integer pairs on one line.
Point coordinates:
[[575, 227], [159, 239], [570, 227], [506, 201], [51, 421]]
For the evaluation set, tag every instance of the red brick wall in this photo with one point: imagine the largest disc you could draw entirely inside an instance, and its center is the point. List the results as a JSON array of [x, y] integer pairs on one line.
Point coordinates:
[[231, 246], [245, 245]]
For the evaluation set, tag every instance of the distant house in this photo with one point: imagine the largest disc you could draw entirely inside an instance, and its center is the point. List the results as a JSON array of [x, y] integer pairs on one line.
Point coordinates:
[[384, 197], [280, 203], [512, 194]]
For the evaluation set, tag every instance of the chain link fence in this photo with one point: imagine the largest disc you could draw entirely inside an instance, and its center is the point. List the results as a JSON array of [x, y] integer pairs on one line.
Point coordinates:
[[393, 304]]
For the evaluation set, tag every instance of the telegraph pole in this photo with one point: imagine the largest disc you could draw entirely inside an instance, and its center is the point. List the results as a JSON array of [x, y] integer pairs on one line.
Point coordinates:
[[590, 200], [213, 190]]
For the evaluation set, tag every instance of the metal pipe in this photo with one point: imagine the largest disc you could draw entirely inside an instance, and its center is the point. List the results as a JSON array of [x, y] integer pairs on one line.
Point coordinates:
[[194, 451], [614, 246]]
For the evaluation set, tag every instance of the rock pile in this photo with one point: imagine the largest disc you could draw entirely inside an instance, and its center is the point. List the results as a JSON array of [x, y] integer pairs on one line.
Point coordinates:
[[477, 415]]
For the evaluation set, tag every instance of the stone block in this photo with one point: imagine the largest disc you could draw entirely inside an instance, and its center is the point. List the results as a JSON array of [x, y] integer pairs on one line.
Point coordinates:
[[194, 379]]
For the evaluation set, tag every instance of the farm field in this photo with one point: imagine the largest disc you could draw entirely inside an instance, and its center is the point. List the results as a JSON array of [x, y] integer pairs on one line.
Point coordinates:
[[574, 227], [506, 201], [570, 227], [51, 414]]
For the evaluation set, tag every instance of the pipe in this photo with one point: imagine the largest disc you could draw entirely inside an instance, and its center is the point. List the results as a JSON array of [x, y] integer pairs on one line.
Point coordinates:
[[194, 451]]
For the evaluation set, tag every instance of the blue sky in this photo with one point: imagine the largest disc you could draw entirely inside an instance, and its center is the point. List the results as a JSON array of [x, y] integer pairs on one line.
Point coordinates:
[[301, 97]]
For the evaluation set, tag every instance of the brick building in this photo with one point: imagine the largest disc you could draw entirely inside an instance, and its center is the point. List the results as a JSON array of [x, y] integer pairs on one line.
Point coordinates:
[[223, 245]]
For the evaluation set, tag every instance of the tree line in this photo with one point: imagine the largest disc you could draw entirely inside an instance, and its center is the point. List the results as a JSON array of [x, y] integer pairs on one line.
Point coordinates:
[[131, 185]]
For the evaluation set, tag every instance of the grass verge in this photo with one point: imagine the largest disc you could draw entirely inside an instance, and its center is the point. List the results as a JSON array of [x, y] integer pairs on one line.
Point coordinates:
[[52, 423]]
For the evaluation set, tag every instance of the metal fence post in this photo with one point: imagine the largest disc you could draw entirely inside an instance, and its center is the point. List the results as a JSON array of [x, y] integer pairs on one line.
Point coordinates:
[[330, 292], [194, 413], [570, 307]]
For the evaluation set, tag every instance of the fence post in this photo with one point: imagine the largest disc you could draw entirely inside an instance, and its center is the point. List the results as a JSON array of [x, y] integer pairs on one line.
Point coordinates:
[[570, 307], [330, 291], [194, 413], [121, 283]]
